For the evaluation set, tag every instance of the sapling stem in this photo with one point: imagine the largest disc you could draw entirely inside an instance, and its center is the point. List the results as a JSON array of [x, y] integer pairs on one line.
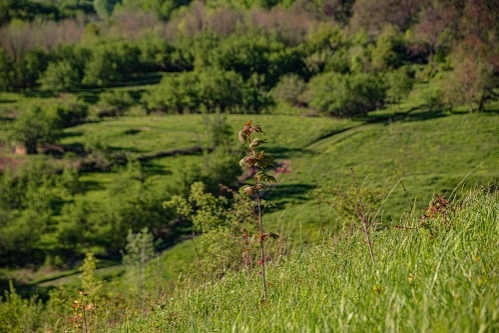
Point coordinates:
[[257, 161], [261, 237]]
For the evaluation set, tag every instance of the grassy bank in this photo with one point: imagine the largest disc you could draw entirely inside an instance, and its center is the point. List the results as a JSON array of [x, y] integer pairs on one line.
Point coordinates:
[[447, 282]]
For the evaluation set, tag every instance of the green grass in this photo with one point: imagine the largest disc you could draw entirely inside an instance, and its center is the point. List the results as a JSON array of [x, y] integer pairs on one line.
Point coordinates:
[[446, 283], [435, 153]]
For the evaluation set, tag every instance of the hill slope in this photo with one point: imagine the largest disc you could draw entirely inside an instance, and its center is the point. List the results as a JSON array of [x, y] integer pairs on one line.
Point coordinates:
[[447, 282]]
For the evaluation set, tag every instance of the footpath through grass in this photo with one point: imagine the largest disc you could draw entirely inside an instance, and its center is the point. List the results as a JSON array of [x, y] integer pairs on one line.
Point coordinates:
[[446, 280]]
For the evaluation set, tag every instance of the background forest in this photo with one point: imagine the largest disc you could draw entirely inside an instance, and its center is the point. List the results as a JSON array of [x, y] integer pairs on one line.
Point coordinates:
[[115, 113]]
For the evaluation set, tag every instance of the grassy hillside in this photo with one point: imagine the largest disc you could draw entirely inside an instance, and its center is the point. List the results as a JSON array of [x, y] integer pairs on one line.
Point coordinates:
[[447, 282], [433, 153]]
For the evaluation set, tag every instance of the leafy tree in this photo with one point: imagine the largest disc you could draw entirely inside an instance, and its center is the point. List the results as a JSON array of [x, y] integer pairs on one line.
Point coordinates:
[[80, 227], [256, 55], [256, 98], [175, 94], [221, 222], [436, 28], [35, 126], [104, 8], [220, 90], [60, 77], [218, 129], [388, 51], [111, 62], [345, 95], [157, 54], [290, 89], [70, 181], [209, 89], [68, 115], [77, 56], [30, 197], [6, 72], [325, 50], [102, 69], [132, 203], [26, 10], [472, 80], [163, 8], [400, 83], [27, 72], [115, 102]]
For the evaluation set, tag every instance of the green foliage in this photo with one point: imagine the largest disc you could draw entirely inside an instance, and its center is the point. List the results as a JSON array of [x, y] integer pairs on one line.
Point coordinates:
[[221, 223], [79, 227], [29, 69], [104, 8], [76, 55], [68, 115], [345, 95], [219, 130], [388, 51], [111, 62], [19, 315], [28, 199], [290, 89], [250, 55], [115, 103], [59, 77], [26, 10], [89, 282], [36, 126], [400, 84], [157, 54], [5, 72], [208, 90], [472, 80], [175, 94], [163, 8], [325, 50], [220, 90], [417, 276]]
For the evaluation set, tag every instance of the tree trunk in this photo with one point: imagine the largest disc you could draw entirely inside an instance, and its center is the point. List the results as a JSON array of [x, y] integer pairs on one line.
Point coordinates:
[[31, 147]]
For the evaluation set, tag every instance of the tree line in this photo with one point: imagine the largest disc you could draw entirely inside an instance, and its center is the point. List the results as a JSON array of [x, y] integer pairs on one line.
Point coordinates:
[[335, 58], [215, 48]]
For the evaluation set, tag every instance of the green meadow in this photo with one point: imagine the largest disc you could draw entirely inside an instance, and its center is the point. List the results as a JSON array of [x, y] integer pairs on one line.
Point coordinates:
[[249, 166]]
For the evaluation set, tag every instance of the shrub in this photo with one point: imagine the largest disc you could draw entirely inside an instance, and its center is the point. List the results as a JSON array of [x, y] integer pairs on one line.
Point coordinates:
[[29, 69], [400, 83], [346, 95], [290, 89], [115, 103], [36, 126], [111, 62], [18, 314], [60, 77], [175, 94]]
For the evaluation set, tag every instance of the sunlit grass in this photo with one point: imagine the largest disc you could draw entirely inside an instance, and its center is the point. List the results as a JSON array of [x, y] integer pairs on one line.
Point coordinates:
[[445, 283]]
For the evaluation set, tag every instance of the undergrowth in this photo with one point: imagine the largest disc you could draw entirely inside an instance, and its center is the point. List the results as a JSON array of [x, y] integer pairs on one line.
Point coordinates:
[[428, 282]]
